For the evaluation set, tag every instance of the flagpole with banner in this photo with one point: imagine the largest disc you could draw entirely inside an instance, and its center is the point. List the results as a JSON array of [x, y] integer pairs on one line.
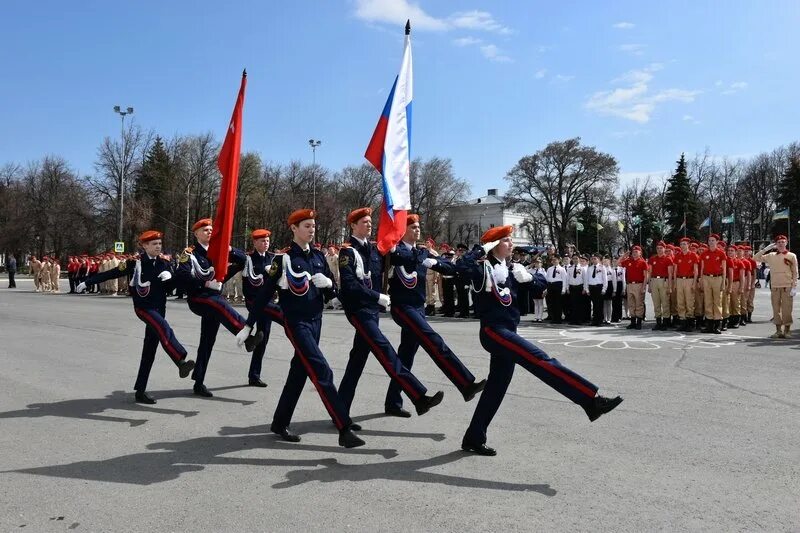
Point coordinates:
[[228, 164], [389, 151]]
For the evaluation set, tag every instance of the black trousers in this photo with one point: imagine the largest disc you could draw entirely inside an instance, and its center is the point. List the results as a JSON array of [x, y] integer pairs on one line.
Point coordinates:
[[11, 283], [449, 296], [616, 304], [576, 307], [554, 300], [462, 293], [596, 295]]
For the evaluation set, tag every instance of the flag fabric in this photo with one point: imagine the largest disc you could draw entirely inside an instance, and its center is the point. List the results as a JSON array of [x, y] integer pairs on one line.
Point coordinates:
[[620, 225], [579, 226], [706, 223], [728, 219], [683, 224], [781, 215], [228, 164], [389, 151], [636, 220], [599, 227]]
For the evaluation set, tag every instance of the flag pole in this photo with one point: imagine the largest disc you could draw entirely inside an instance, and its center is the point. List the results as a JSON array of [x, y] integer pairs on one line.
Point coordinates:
[[597, 225]]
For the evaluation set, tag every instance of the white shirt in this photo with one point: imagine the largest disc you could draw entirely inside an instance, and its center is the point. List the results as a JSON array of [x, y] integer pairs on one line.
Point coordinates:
[[575, 275], [595, 275]]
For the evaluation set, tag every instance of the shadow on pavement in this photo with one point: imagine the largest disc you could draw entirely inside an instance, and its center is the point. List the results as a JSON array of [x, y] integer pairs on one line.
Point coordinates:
[[89, 409]]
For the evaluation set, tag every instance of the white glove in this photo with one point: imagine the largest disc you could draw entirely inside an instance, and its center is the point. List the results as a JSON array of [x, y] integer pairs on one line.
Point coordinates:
[[384, 300], [336, 303], [793, 292], [80, 288], [500, 272], [520, 274], [429, 262], [241, 337], [489, 245], [165, 276], [321, 281], [214, 285]]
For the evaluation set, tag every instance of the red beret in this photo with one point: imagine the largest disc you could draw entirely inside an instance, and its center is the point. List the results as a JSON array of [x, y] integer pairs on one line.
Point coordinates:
[[686, 239], [721, 244], [412, 219], [781, 238], [497, 233], [202, 223], [661, 244], [732, 247], [637, 247], [300, 215], [260, 234], [714, 235], [357, 214], [150, 235]]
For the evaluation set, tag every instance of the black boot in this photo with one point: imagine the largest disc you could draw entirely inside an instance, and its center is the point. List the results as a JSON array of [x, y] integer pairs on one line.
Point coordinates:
[[601, 405], [689, 325], [742, 320], [709, 326], [632, 324], [638, 323], [430, 310], [717, 327], [666, 323], [733, 322], [348, 439], [658, 326], [425, 403], [724, 326], [750, 317]]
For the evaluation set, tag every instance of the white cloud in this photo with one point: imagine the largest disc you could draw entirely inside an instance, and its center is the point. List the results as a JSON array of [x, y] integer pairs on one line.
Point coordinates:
[[735, 87], [477, 20], [624, 25], [690, 119], [541, 73], [636, 101], [493, 53], [632, 48], [398, 11], [563, 78], [466, 41]]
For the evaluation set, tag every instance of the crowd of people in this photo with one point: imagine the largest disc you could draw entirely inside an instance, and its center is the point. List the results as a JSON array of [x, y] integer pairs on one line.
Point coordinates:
[[692, 285]]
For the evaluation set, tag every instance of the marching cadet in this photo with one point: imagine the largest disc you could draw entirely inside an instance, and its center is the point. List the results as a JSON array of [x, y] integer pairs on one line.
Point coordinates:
[[595, 283], [150, 281], [462, 286], [575, 279], [303, 280], [496, 280], [736, 276], [726, 301], [685, 274], [659, 285], [44, 275], [556, 278], [611, 288], [407, 278], [55, 275], [699, 299], [196, 274], [637, 276], [362, 305], [618, 303], [713, 272], [252, 274], [783, 285], [673, 321]]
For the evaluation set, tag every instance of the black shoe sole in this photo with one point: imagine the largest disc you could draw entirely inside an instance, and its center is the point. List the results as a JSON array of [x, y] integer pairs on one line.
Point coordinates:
[[613, 404], [146, 401], [186, 368], [399, 413], [428, 403], [253, 341], [351, 441], [479, 450], [474, 389], [203, 393]]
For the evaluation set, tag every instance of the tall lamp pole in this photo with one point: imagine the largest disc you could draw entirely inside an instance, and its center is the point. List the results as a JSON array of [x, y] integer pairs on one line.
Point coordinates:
[[122, 114], [313, 143]]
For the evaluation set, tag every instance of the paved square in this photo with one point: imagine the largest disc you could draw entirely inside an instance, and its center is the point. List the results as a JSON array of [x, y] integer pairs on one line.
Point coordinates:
[[707, 438]]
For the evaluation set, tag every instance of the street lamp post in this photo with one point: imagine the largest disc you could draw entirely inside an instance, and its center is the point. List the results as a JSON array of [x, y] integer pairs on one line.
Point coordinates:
[[313, 143], [122, 114]]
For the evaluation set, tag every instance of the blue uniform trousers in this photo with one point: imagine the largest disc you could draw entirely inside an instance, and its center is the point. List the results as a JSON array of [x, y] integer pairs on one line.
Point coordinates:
[[308, 361], [272, 313], [416, 332], [157, 331], [507, 349], [369, 338], [213, 310]]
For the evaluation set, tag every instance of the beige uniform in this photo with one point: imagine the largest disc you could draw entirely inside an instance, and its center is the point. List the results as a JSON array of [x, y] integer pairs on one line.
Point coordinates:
[[55, 277], [333, 264], [36, 268], [783, 277], [113, 284], [44, 277]]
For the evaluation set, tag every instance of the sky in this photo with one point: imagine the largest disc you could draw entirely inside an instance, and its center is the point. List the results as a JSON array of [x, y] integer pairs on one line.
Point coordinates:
[[493, 81]]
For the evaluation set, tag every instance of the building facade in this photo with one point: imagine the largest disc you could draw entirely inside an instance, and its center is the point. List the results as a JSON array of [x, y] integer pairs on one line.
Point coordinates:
[[467, 221]]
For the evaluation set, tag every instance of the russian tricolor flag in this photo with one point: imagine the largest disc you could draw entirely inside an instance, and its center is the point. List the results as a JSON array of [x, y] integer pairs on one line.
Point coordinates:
[[389, 152]]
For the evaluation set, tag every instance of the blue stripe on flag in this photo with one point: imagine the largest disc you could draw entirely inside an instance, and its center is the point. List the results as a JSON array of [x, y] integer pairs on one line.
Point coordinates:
[[388, 107]]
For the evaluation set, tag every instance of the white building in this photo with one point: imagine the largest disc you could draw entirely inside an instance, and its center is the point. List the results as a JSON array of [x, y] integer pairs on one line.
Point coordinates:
[[466, 222]]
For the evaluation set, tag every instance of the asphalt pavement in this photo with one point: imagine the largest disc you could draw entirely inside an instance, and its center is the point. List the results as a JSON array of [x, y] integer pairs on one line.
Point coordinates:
[[707, 438]]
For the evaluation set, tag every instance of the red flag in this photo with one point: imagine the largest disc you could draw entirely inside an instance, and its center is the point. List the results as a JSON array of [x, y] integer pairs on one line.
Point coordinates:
[[228, 164]]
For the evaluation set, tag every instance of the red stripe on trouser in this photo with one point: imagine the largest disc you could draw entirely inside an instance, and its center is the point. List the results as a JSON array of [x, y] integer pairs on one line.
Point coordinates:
[[313, 377], [432, 347], [384, 360], [277, 316], [221, 308], [538, 362], [171, 351]]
